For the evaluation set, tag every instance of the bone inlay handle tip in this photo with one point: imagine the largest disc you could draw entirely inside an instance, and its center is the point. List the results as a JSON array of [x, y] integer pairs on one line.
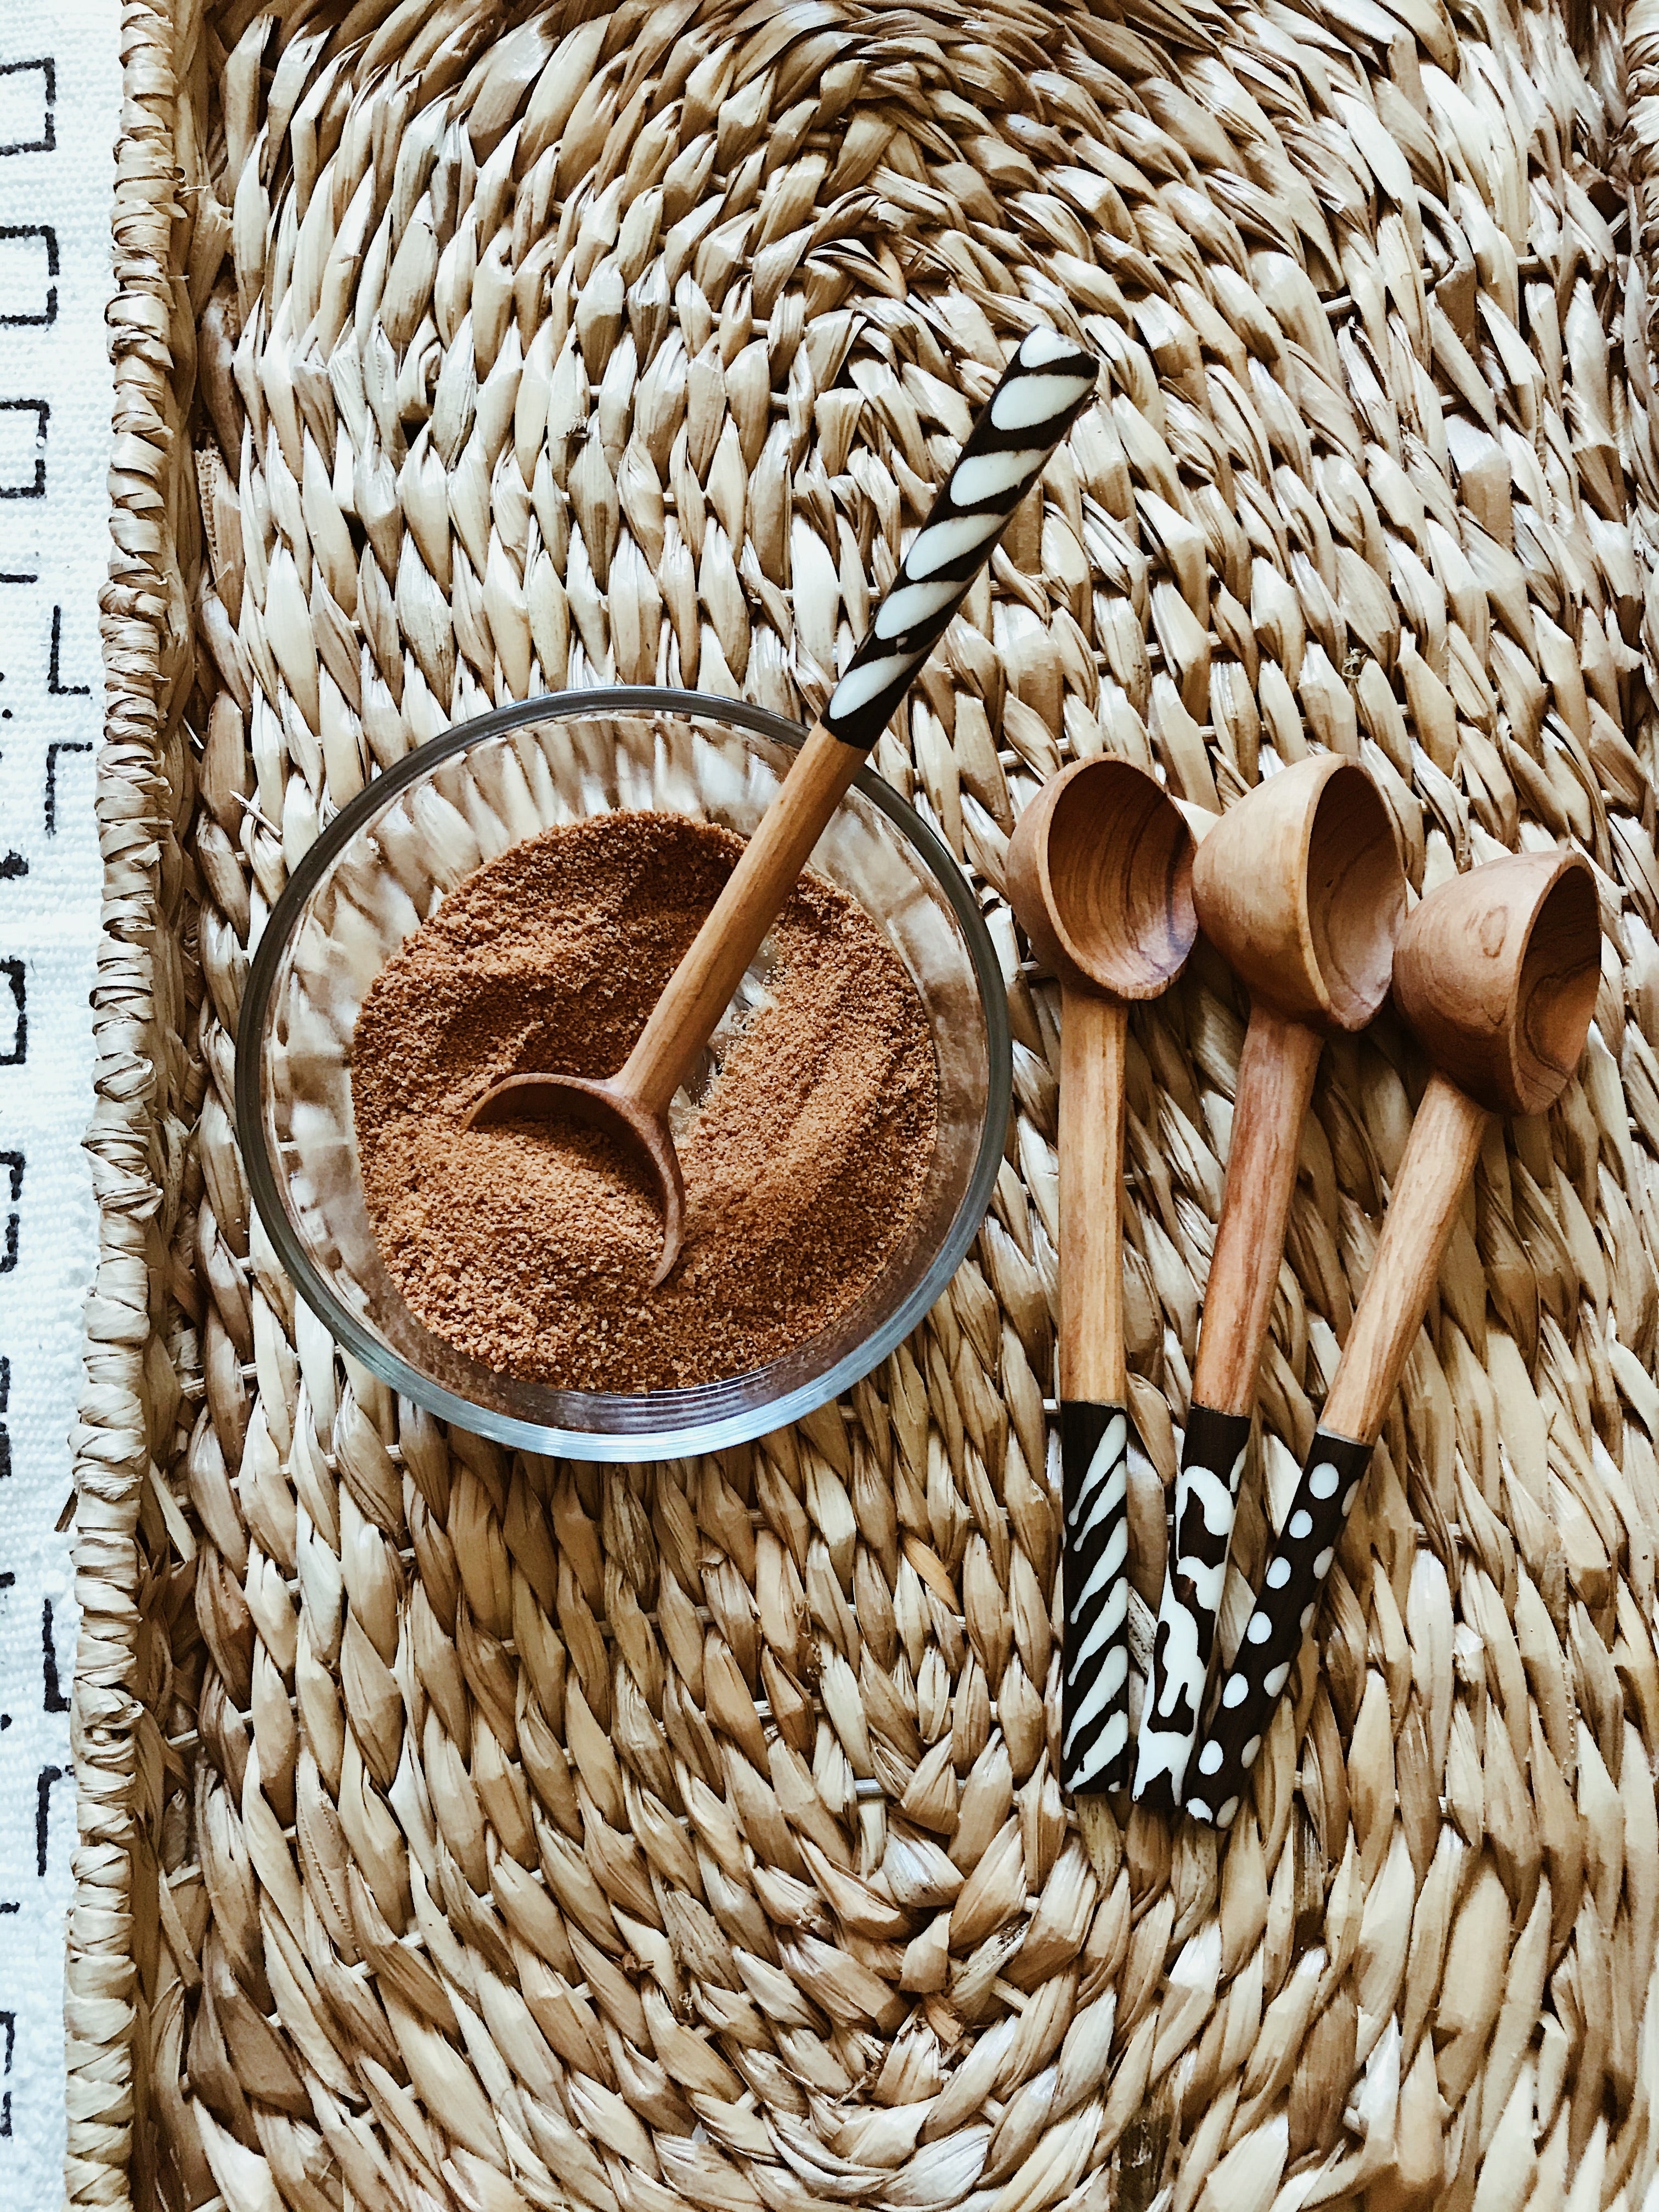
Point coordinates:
[[1094, 1458], [1287, 1601], [1206, 1493], [1043, 389]]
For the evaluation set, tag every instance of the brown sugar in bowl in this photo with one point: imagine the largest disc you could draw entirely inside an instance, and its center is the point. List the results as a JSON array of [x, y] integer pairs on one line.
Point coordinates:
[[388, 862], [532, 1243]]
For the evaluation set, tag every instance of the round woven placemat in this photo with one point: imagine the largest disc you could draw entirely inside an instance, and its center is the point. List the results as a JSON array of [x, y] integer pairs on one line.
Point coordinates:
[[461, 1828]]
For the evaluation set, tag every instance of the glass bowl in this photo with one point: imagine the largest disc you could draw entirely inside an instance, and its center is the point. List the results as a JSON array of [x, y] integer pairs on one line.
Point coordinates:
[[385, 864]]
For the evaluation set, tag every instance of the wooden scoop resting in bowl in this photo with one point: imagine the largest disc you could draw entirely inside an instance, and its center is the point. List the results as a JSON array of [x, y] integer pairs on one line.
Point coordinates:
[[1299, 887], [1100, 874], [1043, 389], [1497, 971]]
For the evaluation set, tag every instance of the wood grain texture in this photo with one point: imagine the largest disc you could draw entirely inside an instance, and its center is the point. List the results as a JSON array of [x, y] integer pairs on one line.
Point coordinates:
[[1094, 1038], [1498, 973], [1100, 874], [700, 990], [1440, 1156], [1275, 1083], [1300, 886]]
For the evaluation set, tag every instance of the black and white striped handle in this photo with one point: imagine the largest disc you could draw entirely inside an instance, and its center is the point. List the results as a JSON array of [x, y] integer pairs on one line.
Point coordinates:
[[1094, 1713], [1287, 1601], [1207, 1495], [1044, 388]]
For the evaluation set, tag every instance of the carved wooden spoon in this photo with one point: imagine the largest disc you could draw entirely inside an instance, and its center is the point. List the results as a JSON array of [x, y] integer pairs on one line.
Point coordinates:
[[1043, 389], [1300, 887], [1100, 874], [1497, 971]]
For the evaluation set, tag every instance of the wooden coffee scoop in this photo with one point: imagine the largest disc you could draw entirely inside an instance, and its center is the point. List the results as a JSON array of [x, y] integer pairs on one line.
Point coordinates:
[[1300, 887], [1044, 388], [1498, 973], [1100, 871]]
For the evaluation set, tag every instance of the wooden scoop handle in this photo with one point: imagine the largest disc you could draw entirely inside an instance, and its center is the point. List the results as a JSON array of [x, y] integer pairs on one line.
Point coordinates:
[[1440, 1156], [1094, 1036], [700, 990], [1094, 1419], [1275, 1086], [1276, 1074], [1043, 389]]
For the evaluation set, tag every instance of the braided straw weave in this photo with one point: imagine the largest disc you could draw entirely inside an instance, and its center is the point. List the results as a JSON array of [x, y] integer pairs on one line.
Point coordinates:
[[461, 1828]]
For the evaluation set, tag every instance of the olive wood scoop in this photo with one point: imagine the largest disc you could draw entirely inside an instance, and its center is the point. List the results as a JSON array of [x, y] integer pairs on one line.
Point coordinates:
[[1498, 972], [1100, 872], [1299, 887], [1045, 387]]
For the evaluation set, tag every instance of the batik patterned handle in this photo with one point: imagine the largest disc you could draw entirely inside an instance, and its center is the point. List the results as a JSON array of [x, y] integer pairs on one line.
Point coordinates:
[[1207, 1492], [1044, 388], [1285, 1603], [1094, 1464]]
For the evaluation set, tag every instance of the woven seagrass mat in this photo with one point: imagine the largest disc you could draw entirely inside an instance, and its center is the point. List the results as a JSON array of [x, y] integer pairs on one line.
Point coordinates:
[[460, 1828]]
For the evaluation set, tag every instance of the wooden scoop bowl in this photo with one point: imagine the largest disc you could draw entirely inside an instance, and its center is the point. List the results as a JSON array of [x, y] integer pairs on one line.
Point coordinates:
[[1498, 973], [1299, 887], [1043, 389], [1100, 872]]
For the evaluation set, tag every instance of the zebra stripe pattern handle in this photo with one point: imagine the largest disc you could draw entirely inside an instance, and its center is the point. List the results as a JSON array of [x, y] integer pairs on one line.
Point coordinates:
[[1286, 1604], [1207, 1492], [1094, 1466], [1044, 388]]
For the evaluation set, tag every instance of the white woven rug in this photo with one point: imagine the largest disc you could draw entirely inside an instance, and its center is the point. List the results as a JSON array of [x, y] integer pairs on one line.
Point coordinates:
[[59, 113]]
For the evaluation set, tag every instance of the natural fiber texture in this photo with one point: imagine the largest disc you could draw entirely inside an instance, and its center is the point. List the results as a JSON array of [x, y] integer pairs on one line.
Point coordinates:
[[467, 1829]]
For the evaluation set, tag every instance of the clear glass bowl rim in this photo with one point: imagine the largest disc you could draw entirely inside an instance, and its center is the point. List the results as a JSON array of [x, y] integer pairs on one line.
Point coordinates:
[[682, 1433]]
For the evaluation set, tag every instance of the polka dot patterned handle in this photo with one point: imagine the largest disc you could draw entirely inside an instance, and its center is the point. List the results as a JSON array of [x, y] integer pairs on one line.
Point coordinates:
[[1206, 1491], [1094, 1462], [1044, 388], [1285, 1603]]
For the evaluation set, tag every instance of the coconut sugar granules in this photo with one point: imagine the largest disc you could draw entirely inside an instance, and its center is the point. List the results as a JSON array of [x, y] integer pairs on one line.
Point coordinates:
[[531, 1245]]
